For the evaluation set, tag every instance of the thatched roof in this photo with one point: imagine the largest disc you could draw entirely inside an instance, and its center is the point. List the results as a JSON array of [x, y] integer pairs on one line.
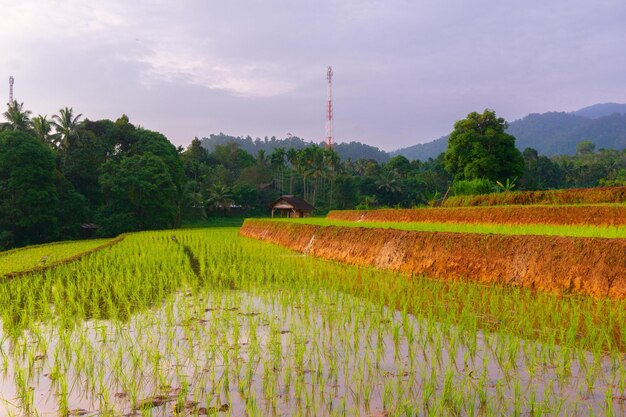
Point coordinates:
[[295, 202]]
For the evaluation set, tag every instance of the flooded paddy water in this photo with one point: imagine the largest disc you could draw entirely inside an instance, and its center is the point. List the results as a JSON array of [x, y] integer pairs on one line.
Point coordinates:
[[209, 344]]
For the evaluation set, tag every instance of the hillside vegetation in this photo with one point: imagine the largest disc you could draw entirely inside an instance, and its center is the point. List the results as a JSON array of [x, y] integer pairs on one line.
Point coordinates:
[[352, 150], [554, 133]]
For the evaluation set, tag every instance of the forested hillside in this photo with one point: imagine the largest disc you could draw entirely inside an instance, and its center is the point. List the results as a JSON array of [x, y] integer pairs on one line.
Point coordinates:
[[352, 150], [601, 110], [558, 133], [554, 133]]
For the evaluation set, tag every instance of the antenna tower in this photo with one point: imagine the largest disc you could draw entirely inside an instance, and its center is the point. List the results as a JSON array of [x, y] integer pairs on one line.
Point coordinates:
[[11, 82], [329, 109]]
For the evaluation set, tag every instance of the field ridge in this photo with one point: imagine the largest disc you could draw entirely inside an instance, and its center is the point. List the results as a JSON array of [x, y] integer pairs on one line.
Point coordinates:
[[564, 265]]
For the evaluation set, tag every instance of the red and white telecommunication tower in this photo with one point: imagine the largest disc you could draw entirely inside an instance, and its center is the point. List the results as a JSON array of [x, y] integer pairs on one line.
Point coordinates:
[[11, 81], [329, 109]]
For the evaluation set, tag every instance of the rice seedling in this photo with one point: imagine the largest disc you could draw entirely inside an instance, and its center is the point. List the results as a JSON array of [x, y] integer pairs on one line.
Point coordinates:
[[611, 232], [39, 256], [255, 329]]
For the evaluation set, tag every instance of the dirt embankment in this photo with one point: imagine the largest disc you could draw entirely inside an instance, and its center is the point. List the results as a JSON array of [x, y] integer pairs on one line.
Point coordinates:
[[559, 215], [568, 196], [590, 266]]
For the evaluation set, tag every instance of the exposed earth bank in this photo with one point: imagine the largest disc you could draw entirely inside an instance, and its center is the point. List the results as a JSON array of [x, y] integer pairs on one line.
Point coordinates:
[[564, 265], [613, 215]]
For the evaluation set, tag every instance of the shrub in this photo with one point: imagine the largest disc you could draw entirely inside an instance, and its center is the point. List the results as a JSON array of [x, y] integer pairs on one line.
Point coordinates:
[[473, 187]]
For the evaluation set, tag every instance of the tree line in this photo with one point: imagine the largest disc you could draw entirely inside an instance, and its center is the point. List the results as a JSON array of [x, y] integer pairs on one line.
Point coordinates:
[[67, 177]]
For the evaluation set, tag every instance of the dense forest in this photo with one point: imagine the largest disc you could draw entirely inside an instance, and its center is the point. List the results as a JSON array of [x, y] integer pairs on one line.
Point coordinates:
[[352, 150], [67, 177]]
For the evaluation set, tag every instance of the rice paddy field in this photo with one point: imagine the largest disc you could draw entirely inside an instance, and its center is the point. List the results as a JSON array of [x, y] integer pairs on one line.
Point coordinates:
[[602, 231], [40, 256], [207, 322]]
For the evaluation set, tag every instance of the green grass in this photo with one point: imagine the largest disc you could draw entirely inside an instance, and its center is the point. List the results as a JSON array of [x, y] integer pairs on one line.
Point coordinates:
[[206, 318], [38, 256], [612, 232]]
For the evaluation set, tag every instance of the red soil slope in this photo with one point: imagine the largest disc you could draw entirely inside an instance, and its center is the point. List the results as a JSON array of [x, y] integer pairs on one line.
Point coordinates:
[[568, 196], [589, 266], [596, 215]]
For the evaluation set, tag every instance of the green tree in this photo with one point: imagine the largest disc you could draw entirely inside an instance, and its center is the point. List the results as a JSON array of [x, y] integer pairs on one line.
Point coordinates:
[[148, 141], [17, 118], [72, 209], [81, 160], [42, 127], [540, 172], [66, 125], [389, 186], [479, 147], [345, 192], [28, 195], [400, 164], [220, 197], [193, 201], [292, 158], [139, 194], [585, 147], [194, 159], [277, 163]]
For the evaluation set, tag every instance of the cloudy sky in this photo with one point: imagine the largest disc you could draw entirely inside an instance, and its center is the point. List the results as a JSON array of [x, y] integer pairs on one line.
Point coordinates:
[[404, 70]]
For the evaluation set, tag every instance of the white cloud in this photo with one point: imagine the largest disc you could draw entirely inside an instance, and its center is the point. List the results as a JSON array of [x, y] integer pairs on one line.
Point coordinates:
[[404, 70], [180, 63]]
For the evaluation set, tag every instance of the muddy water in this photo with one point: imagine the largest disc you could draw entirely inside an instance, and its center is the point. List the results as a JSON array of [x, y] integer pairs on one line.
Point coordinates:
[[275, 353]]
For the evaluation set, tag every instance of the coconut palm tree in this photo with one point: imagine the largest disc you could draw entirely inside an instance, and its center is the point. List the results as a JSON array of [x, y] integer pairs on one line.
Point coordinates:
[[220, 197], [292, 158], [42, 127], [317, 169], [389, 181], [66, 125], [277, 162], [17, 118]]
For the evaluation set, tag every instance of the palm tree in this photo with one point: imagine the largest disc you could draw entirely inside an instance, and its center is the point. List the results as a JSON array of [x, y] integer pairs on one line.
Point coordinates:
[[317, 168], [42, 128], [66, 125], [277, 162], [360, 166], [389, 181], [292, 158], [220, 197], [17, 118], [261, 158]]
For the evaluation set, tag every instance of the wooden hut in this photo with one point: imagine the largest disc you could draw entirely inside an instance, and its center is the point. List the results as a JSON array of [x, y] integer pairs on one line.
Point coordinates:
[[290, 206]]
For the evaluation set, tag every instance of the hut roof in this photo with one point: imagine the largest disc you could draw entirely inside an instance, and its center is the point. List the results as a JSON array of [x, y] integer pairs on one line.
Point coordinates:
[[296, 202]]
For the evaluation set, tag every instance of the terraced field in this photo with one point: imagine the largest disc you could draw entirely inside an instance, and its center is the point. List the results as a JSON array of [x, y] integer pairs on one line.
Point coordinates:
[[575, 215], [205, 322], [602, 231], [335, 318], [17, 261]]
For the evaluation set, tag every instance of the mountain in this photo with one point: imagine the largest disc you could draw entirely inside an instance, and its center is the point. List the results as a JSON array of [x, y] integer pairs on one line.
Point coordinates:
[[558, 133], [353, 150], [554, 133], [600, 110], [423, 151]]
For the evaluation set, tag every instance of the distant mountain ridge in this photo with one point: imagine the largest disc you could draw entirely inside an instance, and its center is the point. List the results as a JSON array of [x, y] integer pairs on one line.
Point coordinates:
[[352, 150], [601, 110], [553, 133]]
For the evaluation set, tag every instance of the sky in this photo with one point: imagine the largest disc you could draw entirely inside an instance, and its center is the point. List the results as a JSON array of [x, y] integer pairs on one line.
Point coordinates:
[[404, 71]]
